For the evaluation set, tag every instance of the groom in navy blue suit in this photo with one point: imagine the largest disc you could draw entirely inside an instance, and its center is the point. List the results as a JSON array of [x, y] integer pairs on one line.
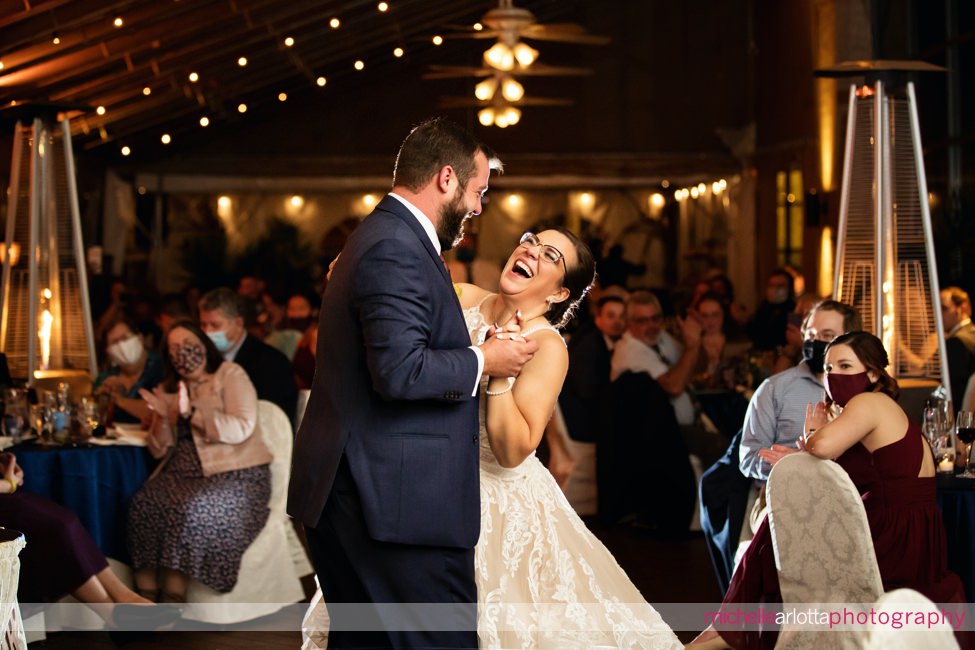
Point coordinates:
[[385, 466]]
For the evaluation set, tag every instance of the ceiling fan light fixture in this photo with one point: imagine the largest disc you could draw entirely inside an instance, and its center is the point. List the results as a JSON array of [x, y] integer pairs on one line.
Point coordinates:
[[500, 57], [486, 116], [485, 90], [512, 90], [525, 54]]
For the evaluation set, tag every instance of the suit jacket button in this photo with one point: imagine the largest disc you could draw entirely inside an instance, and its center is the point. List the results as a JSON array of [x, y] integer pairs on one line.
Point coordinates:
[[474, 439]]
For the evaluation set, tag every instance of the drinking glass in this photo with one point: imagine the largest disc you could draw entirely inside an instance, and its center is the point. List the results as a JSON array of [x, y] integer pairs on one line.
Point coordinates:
[[965, 430], [943, 448], [16, 415], [89, 415]]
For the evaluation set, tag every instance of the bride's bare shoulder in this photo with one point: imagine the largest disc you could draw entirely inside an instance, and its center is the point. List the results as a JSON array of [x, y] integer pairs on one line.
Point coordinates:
[[469, 294]]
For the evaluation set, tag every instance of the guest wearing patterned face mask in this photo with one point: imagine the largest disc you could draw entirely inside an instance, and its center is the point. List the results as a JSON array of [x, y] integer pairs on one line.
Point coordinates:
[[132, 368], [207, 500]]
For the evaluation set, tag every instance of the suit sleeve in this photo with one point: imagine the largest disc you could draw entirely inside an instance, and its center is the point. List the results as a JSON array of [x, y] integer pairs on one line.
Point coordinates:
[[398, 290]]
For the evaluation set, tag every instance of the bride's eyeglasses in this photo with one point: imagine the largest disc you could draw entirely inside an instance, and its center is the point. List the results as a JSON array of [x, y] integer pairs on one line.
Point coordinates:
[[547, 252]]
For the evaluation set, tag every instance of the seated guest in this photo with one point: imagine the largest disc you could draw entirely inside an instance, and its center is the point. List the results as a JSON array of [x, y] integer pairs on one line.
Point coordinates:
[[298, 318], [861, 426], [647, 347], [271, 373], [132, 368], [956, 312], [61, 558], [715, 368], [777, 409], [773, 420], [590, 352], [582, 397], [304, 361], [207, 500], [172, 310], [767, 327]]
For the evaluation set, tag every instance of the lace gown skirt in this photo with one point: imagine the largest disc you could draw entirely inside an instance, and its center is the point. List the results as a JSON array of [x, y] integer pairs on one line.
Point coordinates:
[[543, 580]]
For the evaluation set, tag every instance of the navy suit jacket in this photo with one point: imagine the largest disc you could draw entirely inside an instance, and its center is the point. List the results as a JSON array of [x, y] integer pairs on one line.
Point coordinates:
[[393, 391]]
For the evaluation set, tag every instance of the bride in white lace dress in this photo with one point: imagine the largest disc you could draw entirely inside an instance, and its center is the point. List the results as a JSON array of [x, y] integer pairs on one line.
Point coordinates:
[[543, 580]]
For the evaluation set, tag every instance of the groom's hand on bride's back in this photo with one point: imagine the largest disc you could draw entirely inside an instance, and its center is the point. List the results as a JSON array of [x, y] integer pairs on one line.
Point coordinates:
[[504, 357]]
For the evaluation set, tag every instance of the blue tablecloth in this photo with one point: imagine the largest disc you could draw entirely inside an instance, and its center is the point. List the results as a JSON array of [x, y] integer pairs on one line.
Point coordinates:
[[956, 498], [95, 483]]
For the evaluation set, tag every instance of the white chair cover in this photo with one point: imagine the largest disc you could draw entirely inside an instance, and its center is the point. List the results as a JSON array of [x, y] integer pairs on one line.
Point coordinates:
[[11, 626], [269, 578], [823, 548], [911, 636]]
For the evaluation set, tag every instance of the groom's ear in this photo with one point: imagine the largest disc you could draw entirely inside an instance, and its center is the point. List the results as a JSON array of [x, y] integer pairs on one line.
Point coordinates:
[[444, 176]]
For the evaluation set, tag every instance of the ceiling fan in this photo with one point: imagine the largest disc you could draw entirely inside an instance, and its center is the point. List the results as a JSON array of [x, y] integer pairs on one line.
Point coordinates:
[[499, 93]]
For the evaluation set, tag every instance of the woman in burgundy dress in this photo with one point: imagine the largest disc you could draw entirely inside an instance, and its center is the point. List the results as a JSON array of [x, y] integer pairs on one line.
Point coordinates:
[[61, 558], [861, 426]]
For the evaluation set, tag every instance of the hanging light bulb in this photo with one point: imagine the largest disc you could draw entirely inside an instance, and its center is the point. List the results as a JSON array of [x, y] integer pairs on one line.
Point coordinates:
[[525, 54], [486, 116], [501, 121], [500, 57], [512, 90], [485, 90], [512, 115]]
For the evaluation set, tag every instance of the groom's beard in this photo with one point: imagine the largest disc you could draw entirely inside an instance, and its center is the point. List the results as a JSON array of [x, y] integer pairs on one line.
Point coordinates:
[[453, 216]]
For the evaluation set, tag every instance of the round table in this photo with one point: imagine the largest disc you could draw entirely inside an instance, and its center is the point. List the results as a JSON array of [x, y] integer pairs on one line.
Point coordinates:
[[956, 498], [94, 482]]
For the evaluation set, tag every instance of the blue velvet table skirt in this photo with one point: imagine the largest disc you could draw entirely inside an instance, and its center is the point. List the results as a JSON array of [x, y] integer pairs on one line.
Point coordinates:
[[95, 483], [956, 498]]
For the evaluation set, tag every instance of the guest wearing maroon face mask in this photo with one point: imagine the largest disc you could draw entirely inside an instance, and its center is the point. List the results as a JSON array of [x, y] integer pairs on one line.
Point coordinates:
[[861, 426]]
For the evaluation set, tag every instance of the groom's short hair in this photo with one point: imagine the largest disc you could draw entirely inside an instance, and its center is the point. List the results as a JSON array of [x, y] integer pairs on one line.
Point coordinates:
[[434, 144]]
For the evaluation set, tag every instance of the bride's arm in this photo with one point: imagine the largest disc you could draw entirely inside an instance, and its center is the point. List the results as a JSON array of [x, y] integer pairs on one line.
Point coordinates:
[[516, 418]]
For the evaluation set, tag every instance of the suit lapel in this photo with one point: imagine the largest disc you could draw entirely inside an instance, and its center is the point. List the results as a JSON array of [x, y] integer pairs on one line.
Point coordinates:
[[394, 207]]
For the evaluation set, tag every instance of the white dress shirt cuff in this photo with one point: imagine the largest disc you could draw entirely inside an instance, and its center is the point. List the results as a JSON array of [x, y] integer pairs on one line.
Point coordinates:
[[480, 369]]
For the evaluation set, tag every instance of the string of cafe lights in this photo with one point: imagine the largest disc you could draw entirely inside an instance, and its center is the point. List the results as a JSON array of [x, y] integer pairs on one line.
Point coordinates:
[[194, 77]]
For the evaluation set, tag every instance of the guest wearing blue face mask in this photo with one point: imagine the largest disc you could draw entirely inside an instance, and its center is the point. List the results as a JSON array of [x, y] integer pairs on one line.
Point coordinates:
[[132, 367], [221, 317]]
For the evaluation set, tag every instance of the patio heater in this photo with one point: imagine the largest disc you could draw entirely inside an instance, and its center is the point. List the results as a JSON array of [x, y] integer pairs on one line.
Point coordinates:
[[45, 317], [885, 262]]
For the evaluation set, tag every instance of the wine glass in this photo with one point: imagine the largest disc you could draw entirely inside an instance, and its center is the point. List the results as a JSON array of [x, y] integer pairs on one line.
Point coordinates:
[[965, 430]]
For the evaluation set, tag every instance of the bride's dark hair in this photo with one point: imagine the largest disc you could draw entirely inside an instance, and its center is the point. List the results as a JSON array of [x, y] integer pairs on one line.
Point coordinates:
[[578, 280]]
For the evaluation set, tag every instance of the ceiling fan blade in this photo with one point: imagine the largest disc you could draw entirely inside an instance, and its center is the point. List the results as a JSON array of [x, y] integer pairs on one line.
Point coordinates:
[[563, 33], [484, 34], [455, 72], [536, 70], [470, 102], [542, 70]]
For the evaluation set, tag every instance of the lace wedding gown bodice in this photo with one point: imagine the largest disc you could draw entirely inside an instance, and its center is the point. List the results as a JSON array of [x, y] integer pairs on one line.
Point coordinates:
[[543, 580]]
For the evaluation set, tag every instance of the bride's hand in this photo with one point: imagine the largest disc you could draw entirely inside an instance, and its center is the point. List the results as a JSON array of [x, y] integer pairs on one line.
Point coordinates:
[[512, 330]]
